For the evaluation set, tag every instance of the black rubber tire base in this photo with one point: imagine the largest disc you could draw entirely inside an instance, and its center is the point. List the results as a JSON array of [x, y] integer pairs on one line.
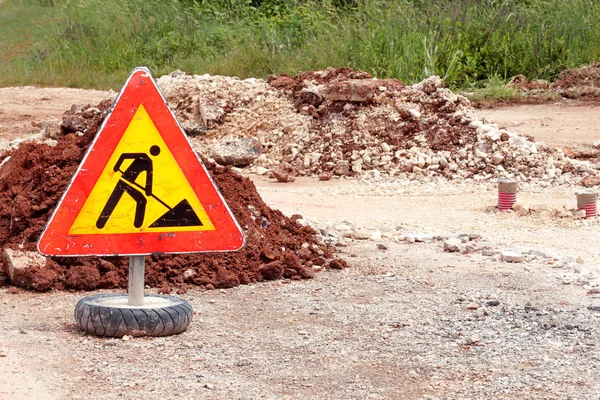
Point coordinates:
[[172, 316]]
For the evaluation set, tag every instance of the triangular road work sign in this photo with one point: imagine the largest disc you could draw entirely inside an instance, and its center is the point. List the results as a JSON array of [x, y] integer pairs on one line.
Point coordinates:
[[141, 188]]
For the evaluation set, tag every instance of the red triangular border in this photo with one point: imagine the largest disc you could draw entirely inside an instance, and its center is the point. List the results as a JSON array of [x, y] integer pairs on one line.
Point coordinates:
[[140, 88]]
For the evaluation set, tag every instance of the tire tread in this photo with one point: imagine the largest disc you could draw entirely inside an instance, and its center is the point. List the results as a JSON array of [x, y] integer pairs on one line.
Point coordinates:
[[102, 320]]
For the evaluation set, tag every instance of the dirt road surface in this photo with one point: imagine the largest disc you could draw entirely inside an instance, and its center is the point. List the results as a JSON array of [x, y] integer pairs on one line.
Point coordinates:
[[22, 107], [405, 321], [564, 123]]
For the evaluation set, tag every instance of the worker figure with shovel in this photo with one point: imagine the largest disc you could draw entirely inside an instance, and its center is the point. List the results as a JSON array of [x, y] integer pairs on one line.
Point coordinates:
[[127, 184]]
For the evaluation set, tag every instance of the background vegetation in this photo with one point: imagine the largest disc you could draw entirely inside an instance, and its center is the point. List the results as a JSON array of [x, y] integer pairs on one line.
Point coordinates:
[[88, 43]]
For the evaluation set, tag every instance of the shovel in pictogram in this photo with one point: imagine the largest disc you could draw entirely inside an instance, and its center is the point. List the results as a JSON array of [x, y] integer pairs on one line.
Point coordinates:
[[181, 215]]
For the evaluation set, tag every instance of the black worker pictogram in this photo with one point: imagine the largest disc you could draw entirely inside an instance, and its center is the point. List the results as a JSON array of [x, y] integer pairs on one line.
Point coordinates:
[[180, 215]]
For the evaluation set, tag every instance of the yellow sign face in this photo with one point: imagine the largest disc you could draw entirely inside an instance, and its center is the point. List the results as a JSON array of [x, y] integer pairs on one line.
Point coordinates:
[[141, 189]]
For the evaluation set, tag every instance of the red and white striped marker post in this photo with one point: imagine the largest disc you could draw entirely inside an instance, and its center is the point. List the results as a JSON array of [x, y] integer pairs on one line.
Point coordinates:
[[587, 201], [507, 194]]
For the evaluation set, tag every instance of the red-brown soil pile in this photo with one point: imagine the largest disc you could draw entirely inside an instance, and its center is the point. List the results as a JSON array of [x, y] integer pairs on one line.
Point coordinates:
[[36, 175], [582, 82]]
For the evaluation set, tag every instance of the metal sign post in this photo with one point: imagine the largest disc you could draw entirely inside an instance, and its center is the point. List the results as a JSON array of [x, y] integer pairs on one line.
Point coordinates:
[[136, 281]]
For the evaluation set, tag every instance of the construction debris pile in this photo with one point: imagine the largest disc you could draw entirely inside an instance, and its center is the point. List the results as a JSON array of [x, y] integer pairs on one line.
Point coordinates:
[[319, 123], [579, 82], [343, 123], [35, 175], [575, 83]]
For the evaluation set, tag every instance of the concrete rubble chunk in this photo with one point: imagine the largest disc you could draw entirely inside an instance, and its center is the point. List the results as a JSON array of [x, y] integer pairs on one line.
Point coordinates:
[[376, 235], [210, 114], [357, 166], [261, 170], [315, 157], [50, 127], [579, 214], [492, 135], [418, 237], [188, 274], [431, 84], [414, 113], [341, 168], [4, 161], [73, 122], [193, 129], [284, 172], [520, 209], [464, 238], [359, 90], [480, 154], [236, 152], [512, 257], [497, 158], [452, 245], [18, 261]]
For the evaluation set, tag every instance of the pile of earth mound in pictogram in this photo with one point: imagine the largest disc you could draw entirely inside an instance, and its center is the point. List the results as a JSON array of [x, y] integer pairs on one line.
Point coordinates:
[[36, 175]]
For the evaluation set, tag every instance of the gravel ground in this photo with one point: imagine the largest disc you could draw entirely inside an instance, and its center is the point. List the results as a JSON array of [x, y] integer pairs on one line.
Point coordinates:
[[409, 322]]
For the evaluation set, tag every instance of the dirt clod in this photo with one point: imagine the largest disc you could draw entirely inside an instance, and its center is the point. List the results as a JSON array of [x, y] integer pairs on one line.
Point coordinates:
[[337, 264], [272, 270], [83, 277]]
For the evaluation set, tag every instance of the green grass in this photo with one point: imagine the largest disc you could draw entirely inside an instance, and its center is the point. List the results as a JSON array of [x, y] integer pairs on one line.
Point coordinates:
[[23, 33], [493, 88], [88, 43]]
